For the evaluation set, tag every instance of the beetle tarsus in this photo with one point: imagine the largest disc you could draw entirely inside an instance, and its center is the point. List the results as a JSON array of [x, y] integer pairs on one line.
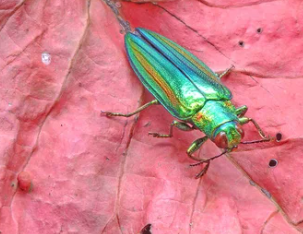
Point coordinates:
[[158, 135], [226, 72], [106, 114], [141, 108], [256, 141], [203, 172]]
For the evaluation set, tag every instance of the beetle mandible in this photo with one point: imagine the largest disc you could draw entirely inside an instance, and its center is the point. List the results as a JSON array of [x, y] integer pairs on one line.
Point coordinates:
[[189, 90]]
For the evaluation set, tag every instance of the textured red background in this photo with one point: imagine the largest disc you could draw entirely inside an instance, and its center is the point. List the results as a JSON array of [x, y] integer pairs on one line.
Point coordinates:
[[92, 174]]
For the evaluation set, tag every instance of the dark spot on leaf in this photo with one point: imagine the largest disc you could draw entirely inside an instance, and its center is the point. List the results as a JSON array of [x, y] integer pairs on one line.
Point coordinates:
[[259, 30], [278, 136], [241, 43], [146, 229], [273, 163]]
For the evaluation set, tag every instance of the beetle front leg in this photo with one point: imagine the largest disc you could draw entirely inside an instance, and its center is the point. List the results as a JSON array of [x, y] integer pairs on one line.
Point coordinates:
[[203, 171], [195, 146], [245, 120], [182, 126], [109, 114], [207, 161]]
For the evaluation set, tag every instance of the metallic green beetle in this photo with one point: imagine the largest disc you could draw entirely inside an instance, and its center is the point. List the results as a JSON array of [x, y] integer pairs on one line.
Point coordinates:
[[189, 90]]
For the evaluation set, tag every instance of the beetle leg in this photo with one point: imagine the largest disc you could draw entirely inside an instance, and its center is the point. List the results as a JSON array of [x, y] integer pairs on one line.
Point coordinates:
[[208, 160], [226, 72], [194, 147], [182, 126], [245, 120], [109, 114], [240, 111], [203, 172]]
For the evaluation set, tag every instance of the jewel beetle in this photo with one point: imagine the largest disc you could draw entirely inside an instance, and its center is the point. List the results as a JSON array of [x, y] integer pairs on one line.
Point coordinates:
[[189, 90]]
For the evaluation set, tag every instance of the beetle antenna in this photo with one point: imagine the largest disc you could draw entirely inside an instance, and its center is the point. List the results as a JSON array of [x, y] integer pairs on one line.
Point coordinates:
[[208, 160]]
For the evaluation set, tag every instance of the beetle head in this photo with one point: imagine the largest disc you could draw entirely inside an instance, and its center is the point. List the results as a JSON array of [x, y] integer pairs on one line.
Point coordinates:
[[228, 135]]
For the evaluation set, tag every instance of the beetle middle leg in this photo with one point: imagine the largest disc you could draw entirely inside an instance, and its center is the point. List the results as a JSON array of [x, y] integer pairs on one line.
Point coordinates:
[[182, 126], [240, 111], [109, 114], [195, 146]]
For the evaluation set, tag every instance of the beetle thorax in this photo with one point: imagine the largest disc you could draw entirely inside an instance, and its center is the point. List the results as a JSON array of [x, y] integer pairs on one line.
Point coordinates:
[[214, 114]]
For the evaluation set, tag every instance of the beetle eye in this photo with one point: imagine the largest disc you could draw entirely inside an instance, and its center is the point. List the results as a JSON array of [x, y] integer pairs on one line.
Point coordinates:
[[221, 140], [240, 130]]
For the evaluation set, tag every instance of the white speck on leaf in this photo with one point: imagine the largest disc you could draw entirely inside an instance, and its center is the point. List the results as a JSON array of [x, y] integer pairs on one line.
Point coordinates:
[[46, 58]]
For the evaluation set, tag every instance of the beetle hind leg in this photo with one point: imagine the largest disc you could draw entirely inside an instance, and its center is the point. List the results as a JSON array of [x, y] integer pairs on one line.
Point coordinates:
[[109, 114], [226, 72], [180, 125]]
